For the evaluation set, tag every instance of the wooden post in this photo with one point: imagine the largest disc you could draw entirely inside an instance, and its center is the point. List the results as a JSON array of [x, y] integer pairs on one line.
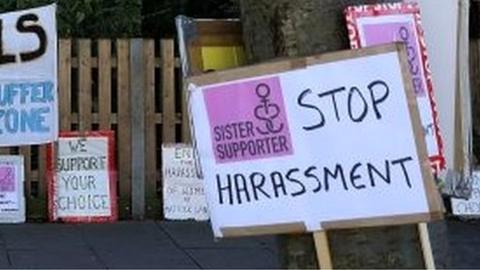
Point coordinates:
[[426, 247], [323, 250], [138, 128]]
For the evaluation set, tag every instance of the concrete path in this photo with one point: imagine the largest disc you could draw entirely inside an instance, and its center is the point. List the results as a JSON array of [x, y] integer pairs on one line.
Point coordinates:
[[157, 245]]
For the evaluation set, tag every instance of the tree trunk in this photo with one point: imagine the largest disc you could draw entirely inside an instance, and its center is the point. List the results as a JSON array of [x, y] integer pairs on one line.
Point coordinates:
[[274, 28]]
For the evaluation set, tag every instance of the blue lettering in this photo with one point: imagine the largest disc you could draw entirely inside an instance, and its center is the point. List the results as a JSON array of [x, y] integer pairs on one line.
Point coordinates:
[[39, 114], [11, 121]]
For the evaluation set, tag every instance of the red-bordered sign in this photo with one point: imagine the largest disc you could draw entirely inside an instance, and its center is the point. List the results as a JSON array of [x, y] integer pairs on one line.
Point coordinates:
[[370, 25], [84, 197]]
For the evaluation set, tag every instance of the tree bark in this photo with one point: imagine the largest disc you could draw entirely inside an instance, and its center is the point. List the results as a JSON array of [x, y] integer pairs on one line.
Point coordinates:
[[303, 27]]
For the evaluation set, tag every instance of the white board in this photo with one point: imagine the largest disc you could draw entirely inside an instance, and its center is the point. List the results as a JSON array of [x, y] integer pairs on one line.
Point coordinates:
[[326, 144], [440, 23], [83, 186], [12, 199], [470, 207], [183, 192], [28, 77]]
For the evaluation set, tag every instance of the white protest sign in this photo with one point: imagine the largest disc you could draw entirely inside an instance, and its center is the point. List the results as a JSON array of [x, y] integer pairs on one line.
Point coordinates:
[[28, 77], [470, 207], [12, 199], [82, 186], [336, 143], [376, 24], [183, 193]]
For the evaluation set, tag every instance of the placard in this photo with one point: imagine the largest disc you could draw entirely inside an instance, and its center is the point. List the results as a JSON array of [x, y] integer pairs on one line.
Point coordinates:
[[12, 199], [323, 142], [82, 177], [370, 25], [183, 192], [28, 77], [470, 207]]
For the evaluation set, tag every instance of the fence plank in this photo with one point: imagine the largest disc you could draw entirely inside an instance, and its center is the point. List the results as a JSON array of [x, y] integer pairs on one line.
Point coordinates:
[[85, 85], [64, 83], [26, 153], [41, 212], [168, 87], [123, 128], [137, 121], [104, 83], [153, 203]]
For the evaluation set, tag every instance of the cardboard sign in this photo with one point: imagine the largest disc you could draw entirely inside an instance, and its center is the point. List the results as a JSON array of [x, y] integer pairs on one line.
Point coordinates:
[[28, 77], [12, 199], [371, 25], [183, 192], [82, 182], [209, 44], [328, 141], [470, 207]]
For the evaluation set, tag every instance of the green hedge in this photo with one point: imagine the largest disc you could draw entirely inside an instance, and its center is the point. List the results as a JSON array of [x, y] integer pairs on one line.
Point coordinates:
[[89, 18]]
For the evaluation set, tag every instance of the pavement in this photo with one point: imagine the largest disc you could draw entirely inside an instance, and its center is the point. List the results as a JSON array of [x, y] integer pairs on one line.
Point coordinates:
[[172, 245], [137, 245]]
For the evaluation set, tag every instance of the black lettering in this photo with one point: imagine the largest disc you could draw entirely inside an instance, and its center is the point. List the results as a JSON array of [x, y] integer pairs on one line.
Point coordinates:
[[405, 172], [296, 181], [258, 186], [334, 101], [278, 185], [385, 177], [227, 188], [4, 57], [241, 187], [301, 103], [365, 105], [22, 27], [338, 172], [354, 176], [308, 173], [376, 100], [218, 134]]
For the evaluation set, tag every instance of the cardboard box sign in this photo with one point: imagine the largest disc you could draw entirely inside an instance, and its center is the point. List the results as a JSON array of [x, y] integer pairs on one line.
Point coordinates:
[[371, 25], [28, 77], [322, 142], [183, 192], [82, 177], [12, 199]]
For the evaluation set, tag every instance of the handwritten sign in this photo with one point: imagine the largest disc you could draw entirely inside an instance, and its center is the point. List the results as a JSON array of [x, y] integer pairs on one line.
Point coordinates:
[[470, 207], [371, 25], [82, 185], [183, 193], [28, 77], [12, 200], [333, 143]]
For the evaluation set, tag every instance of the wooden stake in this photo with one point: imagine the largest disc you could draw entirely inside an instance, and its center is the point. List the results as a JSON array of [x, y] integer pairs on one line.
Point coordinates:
[[426, 247], [323, 250]]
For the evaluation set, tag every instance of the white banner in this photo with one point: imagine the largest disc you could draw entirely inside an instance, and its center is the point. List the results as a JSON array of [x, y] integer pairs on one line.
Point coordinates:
[[183, 192], [28, 77]]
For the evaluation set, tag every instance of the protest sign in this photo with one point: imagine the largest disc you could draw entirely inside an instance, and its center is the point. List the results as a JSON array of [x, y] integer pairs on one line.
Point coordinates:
[[370, 25], [470, 207], [82, 177], [322, 142], [183, 192], [28, 77], [12, 199]]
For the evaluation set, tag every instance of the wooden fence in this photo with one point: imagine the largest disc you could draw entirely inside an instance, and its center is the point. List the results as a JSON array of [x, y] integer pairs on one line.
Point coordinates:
[[130, 86]]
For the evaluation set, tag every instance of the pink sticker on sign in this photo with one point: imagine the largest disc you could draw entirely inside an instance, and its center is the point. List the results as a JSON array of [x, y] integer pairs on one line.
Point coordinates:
[[248, 120], [7, 179], [376, 34]]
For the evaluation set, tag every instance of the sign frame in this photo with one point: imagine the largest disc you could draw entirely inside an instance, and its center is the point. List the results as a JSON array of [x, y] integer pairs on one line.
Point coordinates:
[[434, 201], [354, 13], [112, 173]]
